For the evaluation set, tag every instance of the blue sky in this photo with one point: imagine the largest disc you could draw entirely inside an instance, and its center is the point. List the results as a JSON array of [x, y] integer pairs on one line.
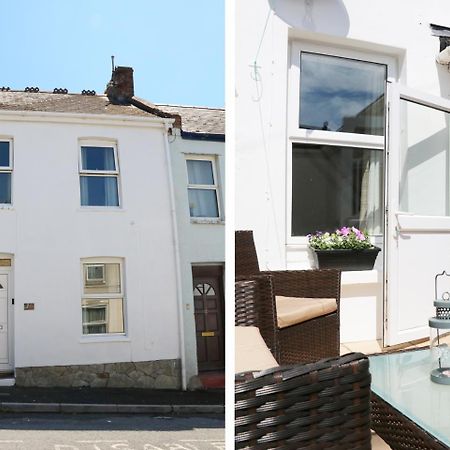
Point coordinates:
[[176, 47]]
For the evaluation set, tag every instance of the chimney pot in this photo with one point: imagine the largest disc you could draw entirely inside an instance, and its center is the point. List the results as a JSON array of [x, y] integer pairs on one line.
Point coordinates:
[[121, 87]]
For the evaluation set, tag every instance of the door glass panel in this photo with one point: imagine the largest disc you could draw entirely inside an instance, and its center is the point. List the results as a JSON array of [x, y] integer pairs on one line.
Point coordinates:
[[425, 161], [340, 94]]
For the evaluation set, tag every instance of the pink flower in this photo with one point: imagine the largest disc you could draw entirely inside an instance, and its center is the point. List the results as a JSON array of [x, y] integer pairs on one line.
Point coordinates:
[[345, 231]]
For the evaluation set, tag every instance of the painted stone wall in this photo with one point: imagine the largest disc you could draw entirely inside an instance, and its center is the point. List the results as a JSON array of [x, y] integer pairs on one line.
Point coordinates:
[[163, 374]]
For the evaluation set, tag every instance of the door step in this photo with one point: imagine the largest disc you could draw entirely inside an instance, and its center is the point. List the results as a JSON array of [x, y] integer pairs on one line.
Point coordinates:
[[213, 379], [7, 379]]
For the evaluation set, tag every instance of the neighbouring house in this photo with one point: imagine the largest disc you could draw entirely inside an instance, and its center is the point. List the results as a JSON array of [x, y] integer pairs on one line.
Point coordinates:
[[89, 264], [342, 118], [198, 165]]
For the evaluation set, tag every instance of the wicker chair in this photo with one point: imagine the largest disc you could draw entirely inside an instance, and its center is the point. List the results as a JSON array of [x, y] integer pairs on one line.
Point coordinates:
[[307, 341], [323, 405], [250, 310]]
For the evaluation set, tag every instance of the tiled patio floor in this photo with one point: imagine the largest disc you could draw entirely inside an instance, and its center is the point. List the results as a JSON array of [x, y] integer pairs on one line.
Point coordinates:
[[369, 347]]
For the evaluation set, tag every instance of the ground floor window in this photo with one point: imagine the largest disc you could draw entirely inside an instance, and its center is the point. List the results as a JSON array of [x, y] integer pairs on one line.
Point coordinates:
[[103, 297], [335, 186]]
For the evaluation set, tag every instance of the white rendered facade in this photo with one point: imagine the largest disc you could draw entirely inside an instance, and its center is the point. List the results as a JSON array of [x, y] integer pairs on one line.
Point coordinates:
[[201, 240], [393, 301], [48, 236]]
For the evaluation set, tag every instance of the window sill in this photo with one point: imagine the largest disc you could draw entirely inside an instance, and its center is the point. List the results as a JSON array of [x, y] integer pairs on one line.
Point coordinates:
[[206, 220], [6, 206], [104, 339], [113, 209]]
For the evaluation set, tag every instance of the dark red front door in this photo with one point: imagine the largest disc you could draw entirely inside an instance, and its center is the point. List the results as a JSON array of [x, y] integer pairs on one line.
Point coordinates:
[[209, 317]]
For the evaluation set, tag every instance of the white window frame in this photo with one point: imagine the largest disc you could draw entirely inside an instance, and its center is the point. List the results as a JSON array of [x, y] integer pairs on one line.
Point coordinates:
[[321, 137], [215, 187], [106, 143], [104, 296], [8, 169], [93, 281]]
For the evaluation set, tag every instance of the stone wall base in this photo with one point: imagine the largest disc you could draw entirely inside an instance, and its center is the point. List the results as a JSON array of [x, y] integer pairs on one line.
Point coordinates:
[[163, 374]]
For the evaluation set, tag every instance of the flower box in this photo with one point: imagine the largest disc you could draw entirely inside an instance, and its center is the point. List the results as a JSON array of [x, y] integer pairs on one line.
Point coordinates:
[[347, 248], [346, 259]]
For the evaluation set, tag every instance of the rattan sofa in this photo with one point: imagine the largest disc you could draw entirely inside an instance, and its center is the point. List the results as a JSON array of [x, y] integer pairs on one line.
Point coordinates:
[[322, 405], [304, 342]]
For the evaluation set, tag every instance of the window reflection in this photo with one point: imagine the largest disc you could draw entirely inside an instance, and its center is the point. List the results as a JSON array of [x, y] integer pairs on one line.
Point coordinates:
[[339, 94], [335, 186]]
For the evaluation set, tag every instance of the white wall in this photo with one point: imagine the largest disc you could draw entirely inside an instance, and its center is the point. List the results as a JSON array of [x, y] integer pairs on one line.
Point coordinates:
[[199, 243], [49, 233], [264, 31]]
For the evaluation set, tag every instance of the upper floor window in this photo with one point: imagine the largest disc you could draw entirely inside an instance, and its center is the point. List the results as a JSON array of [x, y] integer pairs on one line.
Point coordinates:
[[103, 297], [202, 187], [6, 168], [99, 176]]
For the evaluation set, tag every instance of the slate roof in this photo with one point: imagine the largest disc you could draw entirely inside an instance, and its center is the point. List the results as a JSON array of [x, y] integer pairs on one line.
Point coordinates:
[[198, 119], [194, 119], [65, 103]]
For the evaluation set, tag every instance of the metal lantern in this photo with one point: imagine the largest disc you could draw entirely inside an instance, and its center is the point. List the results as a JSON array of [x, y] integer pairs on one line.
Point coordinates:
[[440, 330]]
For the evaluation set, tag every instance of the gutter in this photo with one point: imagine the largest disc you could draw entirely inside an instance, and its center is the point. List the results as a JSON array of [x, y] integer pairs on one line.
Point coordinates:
[[198, 136], [177, 259]]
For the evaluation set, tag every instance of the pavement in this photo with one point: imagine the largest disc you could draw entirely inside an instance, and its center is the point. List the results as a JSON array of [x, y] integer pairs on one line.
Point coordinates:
[[111, 400]]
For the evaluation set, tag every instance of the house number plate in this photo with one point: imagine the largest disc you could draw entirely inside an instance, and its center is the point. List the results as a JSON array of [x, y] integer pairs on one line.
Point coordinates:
[[208, 333]]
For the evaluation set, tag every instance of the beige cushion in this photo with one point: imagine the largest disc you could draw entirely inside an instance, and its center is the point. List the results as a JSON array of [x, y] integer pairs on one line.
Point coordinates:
[[294, 310], [251, 352]]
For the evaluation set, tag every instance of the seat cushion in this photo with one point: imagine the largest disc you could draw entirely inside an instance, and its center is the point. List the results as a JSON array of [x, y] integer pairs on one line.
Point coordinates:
[[251, 352], [295, 310]]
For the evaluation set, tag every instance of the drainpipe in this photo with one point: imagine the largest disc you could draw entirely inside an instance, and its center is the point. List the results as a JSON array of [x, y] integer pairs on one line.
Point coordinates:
[[177, 256]]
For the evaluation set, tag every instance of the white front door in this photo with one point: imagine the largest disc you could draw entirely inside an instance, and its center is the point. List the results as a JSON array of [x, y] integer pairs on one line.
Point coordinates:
[[418, 219], [4, 313]]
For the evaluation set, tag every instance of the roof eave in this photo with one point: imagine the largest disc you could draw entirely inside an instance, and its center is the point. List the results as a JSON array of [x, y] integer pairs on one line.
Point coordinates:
[[83, 117]]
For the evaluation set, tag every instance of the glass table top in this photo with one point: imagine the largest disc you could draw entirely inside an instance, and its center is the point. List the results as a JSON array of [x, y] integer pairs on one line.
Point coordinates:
[[403, 380]]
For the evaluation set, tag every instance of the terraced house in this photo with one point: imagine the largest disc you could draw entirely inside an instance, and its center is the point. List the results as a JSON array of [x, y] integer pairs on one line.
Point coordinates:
[[93, 287]]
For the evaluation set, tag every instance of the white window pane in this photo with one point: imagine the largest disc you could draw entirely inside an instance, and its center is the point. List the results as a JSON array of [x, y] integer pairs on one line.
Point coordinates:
[[334, 187], [200, 172], [102, 316], [99, 191], [5, 188], [340, 94], [4, 154], [203, 203], [97, 158], [102, 278]]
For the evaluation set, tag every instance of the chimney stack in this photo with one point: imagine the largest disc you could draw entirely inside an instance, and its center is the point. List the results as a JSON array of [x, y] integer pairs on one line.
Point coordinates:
[[120, 89]]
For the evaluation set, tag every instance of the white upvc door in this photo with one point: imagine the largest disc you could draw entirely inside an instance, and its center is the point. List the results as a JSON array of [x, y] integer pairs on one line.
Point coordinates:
[[418, 204], [5, 353]]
